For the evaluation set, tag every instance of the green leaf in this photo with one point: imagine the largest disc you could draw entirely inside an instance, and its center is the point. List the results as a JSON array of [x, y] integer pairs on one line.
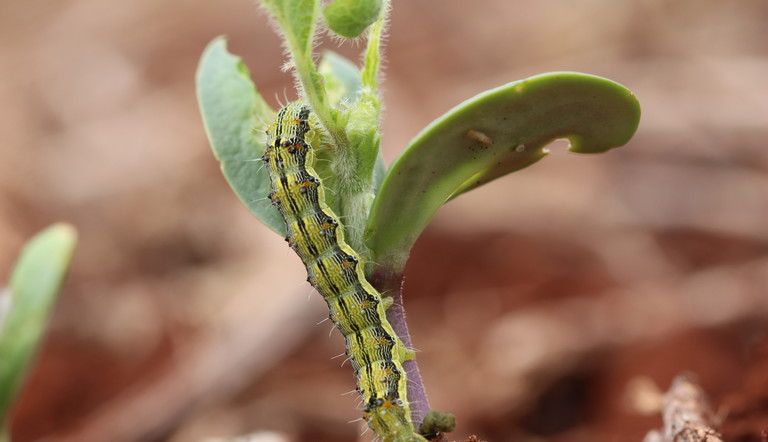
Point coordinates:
[[349, 18], [342, 79], [232, 109], [492, 134], [31, 292]]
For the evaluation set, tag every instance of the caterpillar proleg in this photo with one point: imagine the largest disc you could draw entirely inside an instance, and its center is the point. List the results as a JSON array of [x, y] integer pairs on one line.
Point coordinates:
[[314, 232]]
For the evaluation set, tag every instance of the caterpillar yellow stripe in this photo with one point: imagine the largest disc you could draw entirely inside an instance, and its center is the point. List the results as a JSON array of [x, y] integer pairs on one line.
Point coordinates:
[[334, 269]]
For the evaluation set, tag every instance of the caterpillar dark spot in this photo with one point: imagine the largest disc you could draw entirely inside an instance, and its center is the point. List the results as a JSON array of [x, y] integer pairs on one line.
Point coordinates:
[[333, 269]]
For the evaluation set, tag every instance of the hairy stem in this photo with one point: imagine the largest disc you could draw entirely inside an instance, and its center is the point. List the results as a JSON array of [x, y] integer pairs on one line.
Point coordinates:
[[370, 73], [390, 283]]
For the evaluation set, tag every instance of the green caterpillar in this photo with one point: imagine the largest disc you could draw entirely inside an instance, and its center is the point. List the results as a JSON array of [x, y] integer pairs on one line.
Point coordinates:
[[334, 269]]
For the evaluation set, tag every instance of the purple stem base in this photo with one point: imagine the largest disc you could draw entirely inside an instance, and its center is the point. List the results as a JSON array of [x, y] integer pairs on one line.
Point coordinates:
[[392, 283]]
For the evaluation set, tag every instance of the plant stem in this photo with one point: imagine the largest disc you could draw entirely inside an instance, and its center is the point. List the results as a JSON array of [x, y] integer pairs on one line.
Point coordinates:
[[389, 282], [370, 72]]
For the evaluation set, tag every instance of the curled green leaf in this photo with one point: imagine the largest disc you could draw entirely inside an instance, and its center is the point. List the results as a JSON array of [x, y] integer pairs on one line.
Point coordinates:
[[492, 134], [350, 18], [232, 109], [31, 293]]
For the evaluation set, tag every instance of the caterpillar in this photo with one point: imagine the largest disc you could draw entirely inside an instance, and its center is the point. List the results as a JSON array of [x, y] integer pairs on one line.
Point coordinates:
[[335, 270]]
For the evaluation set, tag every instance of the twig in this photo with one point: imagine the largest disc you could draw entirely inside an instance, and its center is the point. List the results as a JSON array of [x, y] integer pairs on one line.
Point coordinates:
[[687, 415]]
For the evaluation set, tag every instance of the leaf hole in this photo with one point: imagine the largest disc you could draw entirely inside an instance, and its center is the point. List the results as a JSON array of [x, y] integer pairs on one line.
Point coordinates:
[[558, 147]]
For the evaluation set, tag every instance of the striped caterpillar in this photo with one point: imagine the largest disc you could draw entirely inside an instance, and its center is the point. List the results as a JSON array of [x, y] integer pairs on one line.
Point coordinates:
[[313, 231]]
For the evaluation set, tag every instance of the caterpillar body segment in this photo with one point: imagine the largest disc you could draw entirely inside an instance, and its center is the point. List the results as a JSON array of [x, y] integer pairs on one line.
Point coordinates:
[[314, 232]]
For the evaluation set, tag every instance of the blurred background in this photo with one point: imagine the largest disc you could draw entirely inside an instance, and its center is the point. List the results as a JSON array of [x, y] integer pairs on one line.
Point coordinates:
[[548, 305]]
